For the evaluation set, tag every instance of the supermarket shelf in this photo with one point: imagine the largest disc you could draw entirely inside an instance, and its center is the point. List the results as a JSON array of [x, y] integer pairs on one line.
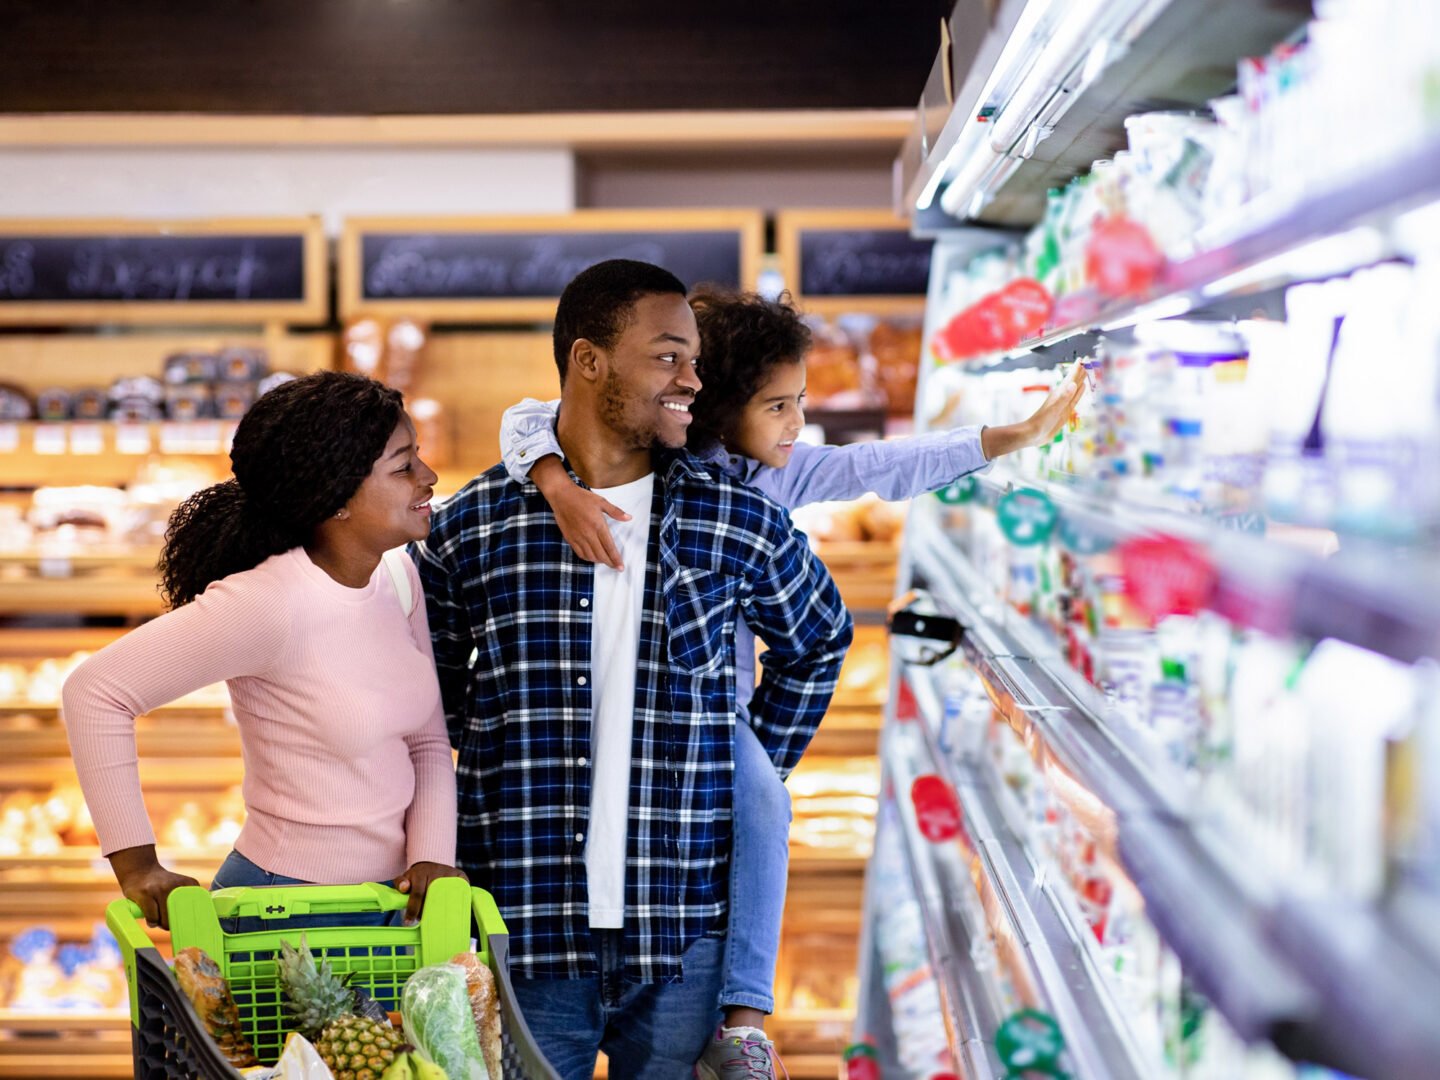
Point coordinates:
[[1380, 600], [182, 774], [1175, 58], [37, 454], [1295, 971], [1238, 257], [177, 733], [84, 857], [1074, 993], [101, 593], [972, 1011], [22, 1021], [116, 556]]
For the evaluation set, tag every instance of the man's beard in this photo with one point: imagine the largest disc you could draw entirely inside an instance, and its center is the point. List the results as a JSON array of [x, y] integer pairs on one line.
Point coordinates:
[[613, 401]]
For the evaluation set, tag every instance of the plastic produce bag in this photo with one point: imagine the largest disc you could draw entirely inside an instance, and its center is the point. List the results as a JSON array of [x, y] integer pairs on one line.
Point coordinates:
[[300, 1061], [439, 1021]]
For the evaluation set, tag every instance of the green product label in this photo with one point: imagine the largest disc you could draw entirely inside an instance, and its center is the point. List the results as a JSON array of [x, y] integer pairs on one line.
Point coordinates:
[[961, 491], [1027, 517], [855, 1050], [1030, 1041]]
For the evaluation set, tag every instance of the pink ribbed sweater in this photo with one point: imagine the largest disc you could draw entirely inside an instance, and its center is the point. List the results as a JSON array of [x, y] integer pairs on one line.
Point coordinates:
[[348, 774]]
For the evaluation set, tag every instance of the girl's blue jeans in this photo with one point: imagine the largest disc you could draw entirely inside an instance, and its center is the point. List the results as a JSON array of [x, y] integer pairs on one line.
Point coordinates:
[[759, 867]]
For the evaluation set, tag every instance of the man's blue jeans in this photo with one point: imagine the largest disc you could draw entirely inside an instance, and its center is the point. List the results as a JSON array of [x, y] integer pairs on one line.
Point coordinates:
[[654, 1031]]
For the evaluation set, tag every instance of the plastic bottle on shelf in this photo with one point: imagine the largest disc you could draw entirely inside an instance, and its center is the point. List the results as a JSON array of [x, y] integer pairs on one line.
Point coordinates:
[[1267, 783], [1293, 371], [1378, 405], [1357, 703]]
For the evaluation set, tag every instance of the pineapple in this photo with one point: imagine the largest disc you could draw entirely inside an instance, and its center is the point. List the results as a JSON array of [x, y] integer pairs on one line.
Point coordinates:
[[323, 1008]]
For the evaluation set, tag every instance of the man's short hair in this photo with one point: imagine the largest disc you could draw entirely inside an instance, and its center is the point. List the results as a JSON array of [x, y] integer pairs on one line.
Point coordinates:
[[598, 303]]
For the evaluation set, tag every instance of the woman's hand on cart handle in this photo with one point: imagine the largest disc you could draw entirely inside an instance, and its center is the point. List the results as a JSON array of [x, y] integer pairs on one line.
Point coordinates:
[[145, 882], [417, 879]]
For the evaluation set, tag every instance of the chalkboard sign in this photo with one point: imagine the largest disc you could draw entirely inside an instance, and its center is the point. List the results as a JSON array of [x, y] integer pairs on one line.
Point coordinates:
[[142, 272], [863, 262], [852, 260], [151, 269], [498, 269], [510, 265]]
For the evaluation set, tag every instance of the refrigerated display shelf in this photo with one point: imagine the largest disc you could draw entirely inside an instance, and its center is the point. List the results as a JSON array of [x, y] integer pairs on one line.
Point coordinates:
[[1059, 947], [1249, 253], [1058, 101], [1298, 971], [1381, 599], [973, 1010]]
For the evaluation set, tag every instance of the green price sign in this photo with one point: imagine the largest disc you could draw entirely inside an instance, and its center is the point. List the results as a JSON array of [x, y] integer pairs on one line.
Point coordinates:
[[1027, 517], [1030, 1042], [961, 491]]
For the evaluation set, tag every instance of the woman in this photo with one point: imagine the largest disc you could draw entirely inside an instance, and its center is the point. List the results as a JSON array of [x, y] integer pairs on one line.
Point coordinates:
[[276, 585]]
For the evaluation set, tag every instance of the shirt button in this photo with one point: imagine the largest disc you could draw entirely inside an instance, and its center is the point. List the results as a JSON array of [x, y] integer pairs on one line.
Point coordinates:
[[579, 837], [580, 761], [584, 602], [581, 680]]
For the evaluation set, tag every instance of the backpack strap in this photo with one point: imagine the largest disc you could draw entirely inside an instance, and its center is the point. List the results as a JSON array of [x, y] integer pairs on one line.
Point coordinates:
[[395, 560]]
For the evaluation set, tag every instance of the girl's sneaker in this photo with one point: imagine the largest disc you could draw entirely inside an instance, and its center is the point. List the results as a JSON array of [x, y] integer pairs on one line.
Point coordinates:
[[742, 1053]]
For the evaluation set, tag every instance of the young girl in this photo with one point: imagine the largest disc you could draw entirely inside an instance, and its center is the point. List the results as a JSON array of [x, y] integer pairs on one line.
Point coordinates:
[[745, 421], [276, 585]]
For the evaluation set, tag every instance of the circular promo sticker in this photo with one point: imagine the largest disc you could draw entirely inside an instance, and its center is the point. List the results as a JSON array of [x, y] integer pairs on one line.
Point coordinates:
[[1027, 517], [1030, 1040]]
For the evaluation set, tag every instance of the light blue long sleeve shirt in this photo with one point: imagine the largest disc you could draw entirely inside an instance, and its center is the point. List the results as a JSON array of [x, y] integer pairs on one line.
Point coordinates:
[[893, 469]]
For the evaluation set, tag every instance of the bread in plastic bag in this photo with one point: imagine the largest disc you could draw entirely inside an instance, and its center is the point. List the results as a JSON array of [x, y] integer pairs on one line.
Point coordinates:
[[439, 1021], [485, 1006]]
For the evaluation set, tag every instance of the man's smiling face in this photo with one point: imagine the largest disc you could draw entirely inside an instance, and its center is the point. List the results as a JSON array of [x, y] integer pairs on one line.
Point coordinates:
[[649, 381]]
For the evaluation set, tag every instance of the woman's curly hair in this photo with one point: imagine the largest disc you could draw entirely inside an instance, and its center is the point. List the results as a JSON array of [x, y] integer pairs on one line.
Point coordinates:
[[298, 456], [743, 338]]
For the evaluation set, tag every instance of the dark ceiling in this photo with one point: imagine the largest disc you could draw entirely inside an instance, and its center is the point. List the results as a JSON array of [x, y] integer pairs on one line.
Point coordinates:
[[361, 57]]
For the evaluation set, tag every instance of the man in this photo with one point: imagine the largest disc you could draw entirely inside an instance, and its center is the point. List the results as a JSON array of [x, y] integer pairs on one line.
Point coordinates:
[[592, 708]]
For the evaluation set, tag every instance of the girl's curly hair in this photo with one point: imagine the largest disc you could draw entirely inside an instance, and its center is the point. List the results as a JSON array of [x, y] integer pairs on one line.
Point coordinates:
[[298, 456], [743, 338]]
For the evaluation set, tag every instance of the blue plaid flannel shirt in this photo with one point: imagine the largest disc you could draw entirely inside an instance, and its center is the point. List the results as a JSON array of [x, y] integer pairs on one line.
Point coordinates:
[[509, 607]]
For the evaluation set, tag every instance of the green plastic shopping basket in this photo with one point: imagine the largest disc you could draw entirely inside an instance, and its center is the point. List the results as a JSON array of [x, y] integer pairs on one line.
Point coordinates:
[[170, 1040]]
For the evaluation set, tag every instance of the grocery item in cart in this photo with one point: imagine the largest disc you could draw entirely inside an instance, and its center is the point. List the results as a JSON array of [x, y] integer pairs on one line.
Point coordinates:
[[200, 978]]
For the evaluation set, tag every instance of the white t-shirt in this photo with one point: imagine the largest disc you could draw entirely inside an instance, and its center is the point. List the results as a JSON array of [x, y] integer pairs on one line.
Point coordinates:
[[614, 656]]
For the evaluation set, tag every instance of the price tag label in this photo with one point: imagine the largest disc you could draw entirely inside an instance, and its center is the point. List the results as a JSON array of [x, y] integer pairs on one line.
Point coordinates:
[[1027, 517], [191, 437], [87, 438], [132, 438], [51, 439], [56, 566], [9, 438]]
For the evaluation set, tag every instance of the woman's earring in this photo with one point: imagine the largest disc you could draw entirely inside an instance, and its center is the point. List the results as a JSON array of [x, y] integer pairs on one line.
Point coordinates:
[[340, 513]]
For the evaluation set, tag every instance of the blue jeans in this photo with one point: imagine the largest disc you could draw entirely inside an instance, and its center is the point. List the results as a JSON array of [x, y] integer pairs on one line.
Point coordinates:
[[238, 871], [649, 1031], [759, 867]]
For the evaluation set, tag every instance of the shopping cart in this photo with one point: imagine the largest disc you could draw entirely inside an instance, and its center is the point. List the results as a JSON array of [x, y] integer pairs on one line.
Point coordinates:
[[170, 1040]]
